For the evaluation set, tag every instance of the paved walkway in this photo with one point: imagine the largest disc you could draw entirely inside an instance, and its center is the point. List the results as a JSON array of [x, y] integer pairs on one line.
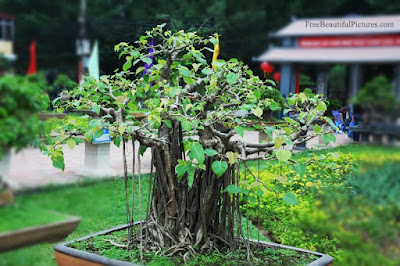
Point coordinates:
[[29, 168]]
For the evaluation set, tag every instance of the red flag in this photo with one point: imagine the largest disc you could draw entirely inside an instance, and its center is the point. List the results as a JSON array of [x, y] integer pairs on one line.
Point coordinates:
[[32, 60]]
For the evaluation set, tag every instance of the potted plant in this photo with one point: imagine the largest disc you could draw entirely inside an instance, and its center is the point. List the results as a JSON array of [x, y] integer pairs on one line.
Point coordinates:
[[196, 169], [378, 100], [375, 112]]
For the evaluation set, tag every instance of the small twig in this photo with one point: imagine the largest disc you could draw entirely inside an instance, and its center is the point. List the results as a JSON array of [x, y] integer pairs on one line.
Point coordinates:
[[256, 179]]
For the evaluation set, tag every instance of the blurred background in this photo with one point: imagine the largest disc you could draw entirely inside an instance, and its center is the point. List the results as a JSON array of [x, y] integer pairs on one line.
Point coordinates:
[[63, 35], [245, 26], [348, 50]]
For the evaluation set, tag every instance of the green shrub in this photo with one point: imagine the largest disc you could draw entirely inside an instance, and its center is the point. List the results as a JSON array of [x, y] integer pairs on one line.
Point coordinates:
[[22, 98], [377, 95], [275, 95], [350, 211], [379, 185]]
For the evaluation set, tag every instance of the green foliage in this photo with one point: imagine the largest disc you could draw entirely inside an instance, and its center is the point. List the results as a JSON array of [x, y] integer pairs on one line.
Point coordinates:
[[308, 92], [22, 98], [379, 185], [63, 82], [5, 64], [274, 101], [348, 209], [337, 77], [219, 167], [377, 95], [239, 22], [221, 91], [59, 125], [306, 81], [40, 80], [335, 104]]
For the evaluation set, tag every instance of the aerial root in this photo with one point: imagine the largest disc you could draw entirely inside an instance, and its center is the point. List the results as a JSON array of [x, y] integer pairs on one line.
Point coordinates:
[[115, 244]]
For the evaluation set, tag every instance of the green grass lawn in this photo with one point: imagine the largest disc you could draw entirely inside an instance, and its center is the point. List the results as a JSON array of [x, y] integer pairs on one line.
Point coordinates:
[[26, 215], [100, 205]]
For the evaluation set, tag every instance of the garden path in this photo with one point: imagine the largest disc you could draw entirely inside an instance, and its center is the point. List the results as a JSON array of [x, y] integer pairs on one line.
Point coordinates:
[[30, 169]]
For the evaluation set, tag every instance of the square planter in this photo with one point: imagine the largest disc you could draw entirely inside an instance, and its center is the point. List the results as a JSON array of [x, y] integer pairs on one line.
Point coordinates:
[[66, 256], [51, 232]]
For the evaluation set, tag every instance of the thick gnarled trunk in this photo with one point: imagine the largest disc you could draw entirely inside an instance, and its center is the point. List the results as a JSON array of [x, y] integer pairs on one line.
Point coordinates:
[[183, 217]]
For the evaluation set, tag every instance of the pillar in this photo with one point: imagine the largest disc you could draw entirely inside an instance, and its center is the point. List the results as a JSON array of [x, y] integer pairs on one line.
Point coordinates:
[[97, 160], [397, 81], [287, 74], [5, 167], [293, 79], [322, 80], [3, 29], [354, 80], [12, 29]]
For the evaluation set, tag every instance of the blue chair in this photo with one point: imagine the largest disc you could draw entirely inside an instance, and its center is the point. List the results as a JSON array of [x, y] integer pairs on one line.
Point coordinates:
[[338, 122]]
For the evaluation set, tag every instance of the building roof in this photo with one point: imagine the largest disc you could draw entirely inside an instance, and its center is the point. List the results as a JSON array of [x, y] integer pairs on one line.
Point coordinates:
[[333, 55], [342, 26], [6, 16]]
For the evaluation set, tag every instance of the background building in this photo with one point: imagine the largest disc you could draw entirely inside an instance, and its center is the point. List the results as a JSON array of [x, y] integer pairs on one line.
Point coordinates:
[[7, 36], [322, 42]]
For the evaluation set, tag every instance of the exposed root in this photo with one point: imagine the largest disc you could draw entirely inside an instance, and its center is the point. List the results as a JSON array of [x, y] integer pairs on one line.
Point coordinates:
[[115, 244]]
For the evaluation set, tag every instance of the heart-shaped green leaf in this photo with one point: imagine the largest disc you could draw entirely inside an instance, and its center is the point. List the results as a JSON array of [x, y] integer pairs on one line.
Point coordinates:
[[181, 169], [278, 142], [232, 189], [283, 155], [127, 66], [197, 152], [300, 169], [239, 130], [274, 106], [321, 107], [290, 198], [257, 111], [219, 167], [71, 144], [232, 78], [232, 157], [187, 125], [58, 162], [210, 152], [282, 178]]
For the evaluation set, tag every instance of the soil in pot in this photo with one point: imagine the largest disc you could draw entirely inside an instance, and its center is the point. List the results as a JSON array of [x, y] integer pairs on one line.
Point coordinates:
[[113, 246]]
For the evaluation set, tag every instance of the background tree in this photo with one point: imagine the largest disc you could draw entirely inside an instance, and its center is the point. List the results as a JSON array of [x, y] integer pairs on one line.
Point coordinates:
[[244, 26]]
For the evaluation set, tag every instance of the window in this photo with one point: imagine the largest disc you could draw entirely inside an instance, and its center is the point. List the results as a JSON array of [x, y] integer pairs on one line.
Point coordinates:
[[6, 29]]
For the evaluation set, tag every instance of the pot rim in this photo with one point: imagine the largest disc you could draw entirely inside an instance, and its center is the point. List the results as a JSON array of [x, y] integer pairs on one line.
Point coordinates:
[[62, 248]]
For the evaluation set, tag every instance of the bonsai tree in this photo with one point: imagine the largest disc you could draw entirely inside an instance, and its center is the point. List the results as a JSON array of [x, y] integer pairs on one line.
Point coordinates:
[[61, 83], [378, 98], [196, 169], [274, 102]]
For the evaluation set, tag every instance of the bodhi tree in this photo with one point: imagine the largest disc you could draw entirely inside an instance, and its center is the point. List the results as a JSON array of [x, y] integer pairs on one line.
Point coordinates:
[[196, 169]]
